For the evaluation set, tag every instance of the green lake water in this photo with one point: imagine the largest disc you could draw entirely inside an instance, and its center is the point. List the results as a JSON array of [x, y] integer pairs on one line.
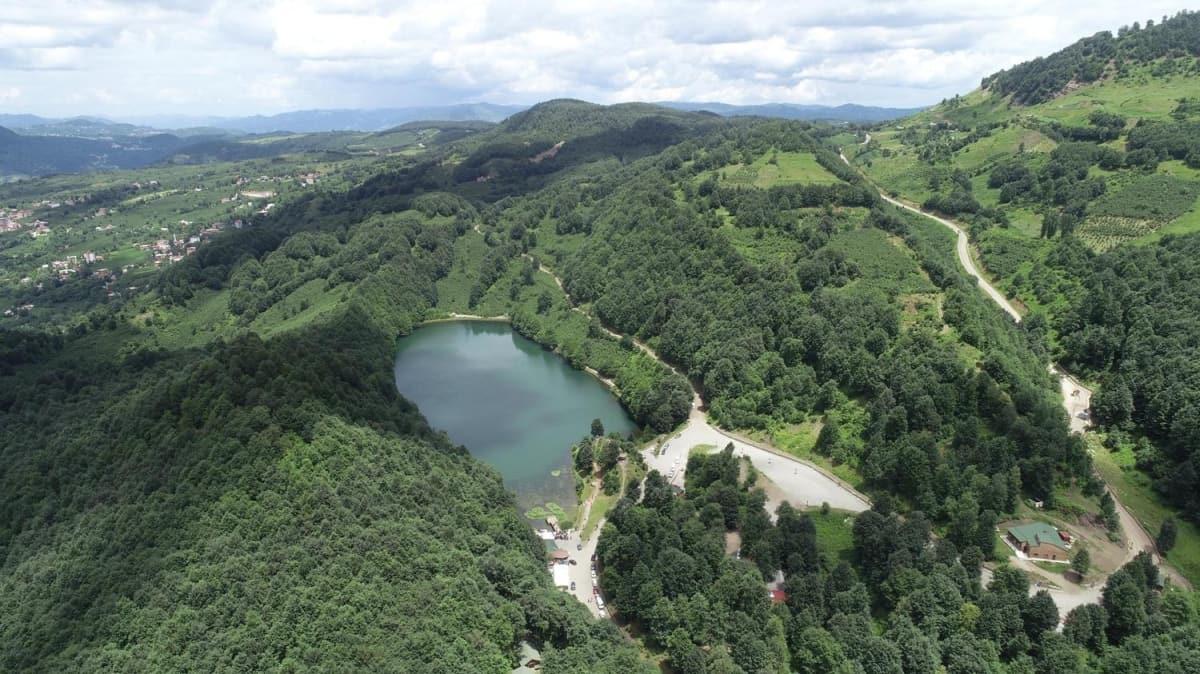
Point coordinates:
[[510, 402]]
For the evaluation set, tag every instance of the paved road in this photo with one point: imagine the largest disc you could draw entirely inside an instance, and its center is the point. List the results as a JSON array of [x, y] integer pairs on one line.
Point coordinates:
[[799, 483], [581, 572]]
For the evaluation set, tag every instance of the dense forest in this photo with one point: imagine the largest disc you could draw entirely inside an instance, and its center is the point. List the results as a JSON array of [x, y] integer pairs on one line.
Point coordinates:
[[1094, 57], [262, 498], [900, 601], [262, 505], [1134, 326]]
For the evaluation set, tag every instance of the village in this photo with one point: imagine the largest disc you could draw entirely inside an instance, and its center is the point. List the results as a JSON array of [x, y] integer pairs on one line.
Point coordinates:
[[52, 219]]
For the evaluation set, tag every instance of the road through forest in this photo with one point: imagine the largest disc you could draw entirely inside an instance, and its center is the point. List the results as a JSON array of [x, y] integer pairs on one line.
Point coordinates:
[[1076, 397]]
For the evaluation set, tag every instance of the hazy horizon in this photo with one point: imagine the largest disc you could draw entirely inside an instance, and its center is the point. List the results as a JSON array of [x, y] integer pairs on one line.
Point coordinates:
[[151, 119], [151, 58]]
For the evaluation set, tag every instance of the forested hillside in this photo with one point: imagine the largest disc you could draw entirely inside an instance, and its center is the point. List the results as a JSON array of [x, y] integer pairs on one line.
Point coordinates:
[[216, 473], [892, 599], [1077, 175], [1135, 325], [262, 504], [1095, 57], [788, 303]]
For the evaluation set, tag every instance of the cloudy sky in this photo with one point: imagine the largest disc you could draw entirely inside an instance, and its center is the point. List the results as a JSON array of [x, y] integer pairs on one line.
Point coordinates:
[[235, 57]]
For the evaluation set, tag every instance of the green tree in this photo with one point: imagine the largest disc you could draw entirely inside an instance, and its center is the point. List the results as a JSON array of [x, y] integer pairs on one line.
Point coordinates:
[[1081, 562], [1108, 512], [597, 428], [1087, 626], [972, 560], [1166, 536], [584, 458], [1124, 603], [1040, 615], [816, 652]]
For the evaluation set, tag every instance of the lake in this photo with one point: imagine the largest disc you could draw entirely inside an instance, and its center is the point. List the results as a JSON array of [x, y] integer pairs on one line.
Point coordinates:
[[510, 402]]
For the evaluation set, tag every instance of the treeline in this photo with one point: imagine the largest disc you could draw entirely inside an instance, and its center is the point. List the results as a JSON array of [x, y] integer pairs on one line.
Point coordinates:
[[1133, 326], [1091, 58], [905, 603], [1167, 140]]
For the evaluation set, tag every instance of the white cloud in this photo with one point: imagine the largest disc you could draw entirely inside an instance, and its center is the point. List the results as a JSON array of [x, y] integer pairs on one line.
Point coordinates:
[[246, 56]]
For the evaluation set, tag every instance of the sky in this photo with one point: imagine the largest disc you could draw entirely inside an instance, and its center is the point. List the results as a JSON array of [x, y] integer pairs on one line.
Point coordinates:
[[239, 57]]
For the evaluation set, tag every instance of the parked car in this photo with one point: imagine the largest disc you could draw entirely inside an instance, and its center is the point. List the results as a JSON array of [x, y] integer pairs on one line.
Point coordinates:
[[572, 586], [579, 546]]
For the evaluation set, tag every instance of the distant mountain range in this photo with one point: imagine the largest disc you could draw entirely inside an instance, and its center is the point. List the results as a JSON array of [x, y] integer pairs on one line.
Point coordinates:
[[848, 112], [313, 121], [33, 145]]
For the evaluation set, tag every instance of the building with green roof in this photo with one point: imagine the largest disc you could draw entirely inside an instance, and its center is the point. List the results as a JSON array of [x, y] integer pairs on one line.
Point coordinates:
[[1040, 541]]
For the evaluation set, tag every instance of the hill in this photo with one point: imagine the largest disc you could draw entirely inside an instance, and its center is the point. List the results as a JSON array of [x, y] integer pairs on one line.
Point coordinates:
[[40, 155], [210, 468], [1078, 175]]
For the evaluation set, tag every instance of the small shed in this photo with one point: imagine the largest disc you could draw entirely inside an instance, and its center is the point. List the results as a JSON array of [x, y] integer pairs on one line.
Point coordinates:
[[559, 555]]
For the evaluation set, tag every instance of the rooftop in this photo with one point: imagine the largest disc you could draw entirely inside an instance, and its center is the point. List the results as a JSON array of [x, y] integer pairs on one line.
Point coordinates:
[[1036, 533]]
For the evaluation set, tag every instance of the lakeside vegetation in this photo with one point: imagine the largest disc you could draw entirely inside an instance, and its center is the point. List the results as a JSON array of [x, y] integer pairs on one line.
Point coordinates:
[[197, 471]]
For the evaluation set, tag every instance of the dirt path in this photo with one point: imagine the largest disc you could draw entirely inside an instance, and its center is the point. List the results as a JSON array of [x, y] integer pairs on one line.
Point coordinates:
[[1076, 397]]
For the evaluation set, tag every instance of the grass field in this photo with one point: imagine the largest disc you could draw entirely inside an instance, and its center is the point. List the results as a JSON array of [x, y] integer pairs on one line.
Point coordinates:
[[303, 306], [1134, 490], [779, 168], [896, 167], [454, 291], [1002, 144], [835, 534], [884, 262], [799, 440], [1137, 96]]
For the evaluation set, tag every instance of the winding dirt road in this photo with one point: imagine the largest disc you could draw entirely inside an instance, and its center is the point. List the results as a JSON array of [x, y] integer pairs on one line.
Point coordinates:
[[1076, 401]]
